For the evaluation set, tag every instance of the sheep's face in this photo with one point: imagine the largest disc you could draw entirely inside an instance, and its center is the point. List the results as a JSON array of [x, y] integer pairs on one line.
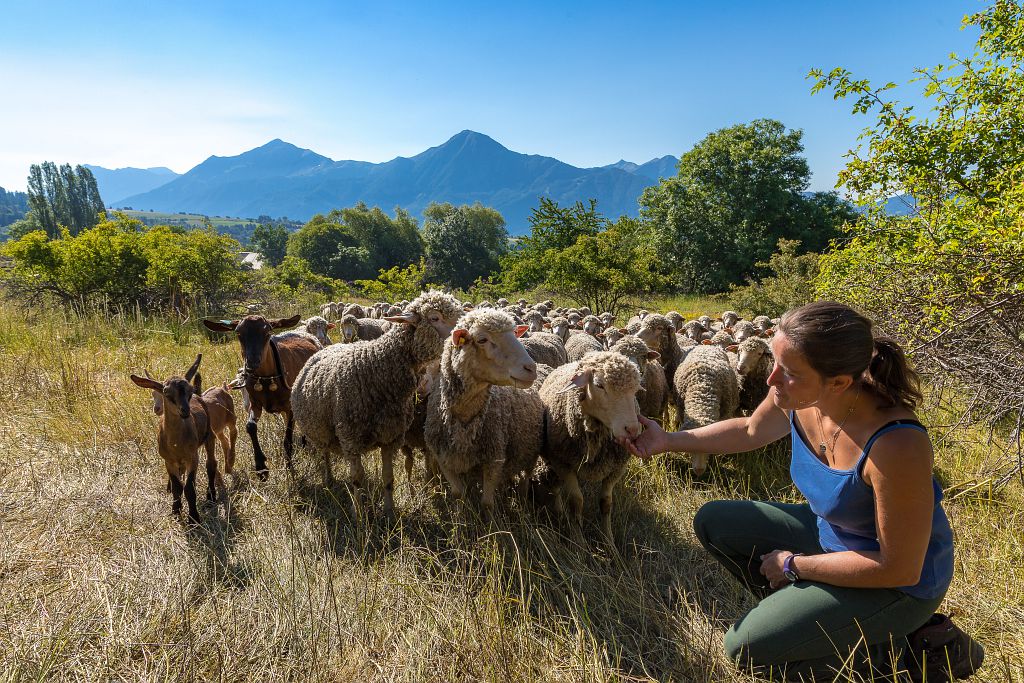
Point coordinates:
[[730, 318], [611, 336], [492, 353], [592, 325], [655, 331], [349, 329], [535, 321], [607, 319], [636, 352], [560, 326], [749, 354], [608, 383], [694, 330], [742, 330]]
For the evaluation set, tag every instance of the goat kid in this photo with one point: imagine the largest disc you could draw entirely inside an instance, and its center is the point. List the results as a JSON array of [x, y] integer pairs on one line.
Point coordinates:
[[189, 420]]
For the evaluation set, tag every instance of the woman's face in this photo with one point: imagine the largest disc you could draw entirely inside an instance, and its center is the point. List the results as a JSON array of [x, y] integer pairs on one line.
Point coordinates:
[[795, 384]]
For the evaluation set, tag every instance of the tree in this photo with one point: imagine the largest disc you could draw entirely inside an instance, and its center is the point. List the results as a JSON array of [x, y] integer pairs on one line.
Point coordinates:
[[737, 192], [577, 253], [271, 241], [946, 279], [463, 243], [355, 243], [62, 197]]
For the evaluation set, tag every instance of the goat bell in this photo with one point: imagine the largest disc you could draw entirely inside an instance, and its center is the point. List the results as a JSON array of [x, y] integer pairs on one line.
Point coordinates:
[[273, 386], [257, 386]]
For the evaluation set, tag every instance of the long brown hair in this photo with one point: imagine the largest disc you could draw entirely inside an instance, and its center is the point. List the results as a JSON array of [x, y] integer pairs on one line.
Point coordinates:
[[837, 340]]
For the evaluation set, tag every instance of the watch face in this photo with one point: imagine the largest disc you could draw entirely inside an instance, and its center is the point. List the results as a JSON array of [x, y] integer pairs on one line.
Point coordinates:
[[791, 575]]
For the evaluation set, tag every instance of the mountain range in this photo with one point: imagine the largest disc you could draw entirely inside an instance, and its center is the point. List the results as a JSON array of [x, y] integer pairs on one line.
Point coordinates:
[[118, 183], [280, 179]]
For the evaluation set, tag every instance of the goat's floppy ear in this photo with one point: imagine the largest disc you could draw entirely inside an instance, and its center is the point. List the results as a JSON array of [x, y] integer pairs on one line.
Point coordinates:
[[147, 383], [221, 325], [195, 366], [460, 337], [285, 322], [578, 381], [521, 330], [410, 318]]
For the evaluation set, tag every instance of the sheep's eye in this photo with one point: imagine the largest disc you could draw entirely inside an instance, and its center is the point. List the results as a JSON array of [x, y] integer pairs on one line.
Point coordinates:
[[481, 341]]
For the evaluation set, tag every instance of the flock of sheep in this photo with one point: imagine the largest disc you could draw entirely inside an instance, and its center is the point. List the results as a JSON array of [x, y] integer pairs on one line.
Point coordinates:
[[504, 396]]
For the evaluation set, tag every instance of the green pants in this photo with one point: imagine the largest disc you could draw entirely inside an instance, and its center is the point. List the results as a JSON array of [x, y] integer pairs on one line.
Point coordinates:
[[806, 630]]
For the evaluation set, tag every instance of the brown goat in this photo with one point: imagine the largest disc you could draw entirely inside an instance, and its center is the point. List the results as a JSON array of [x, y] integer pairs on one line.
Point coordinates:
[[270, 365], [188, 421]]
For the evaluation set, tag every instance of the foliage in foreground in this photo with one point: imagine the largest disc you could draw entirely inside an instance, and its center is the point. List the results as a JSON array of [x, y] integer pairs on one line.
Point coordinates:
[[948, 280]]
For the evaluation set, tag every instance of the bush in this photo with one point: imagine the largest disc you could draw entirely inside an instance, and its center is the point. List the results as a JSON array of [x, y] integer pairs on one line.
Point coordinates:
[[790, 284]]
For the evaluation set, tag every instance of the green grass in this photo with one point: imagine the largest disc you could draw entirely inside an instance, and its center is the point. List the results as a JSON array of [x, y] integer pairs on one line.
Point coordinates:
[[191, 219], [99, 582]]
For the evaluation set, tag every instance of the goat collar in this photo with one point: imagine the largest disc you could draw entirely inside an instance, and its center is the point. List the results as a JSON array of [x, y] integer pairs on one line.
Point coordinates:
[[277, 366]]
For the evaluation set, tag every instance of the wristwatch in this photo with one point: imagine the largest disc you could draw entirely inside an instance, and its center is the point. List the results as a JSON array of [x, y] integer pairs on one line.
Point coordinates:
[[788, 570]]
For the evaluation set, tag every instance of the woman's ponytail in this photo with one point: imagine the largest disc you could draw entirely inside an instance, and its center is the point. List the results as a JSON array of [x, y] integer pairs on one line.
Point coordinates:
[[890, 377]]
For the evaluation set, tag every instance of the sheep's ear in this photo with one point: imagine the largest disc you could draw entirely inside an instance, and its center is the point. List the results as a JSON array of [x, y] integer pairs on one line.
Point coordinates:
[[195, 366], [285, 322], [579, 380], [460, 337], [221, 325], [733, 348], [599, 335], [331, 326], [547, 326], [521, 330], [410, 318], [769, 332], [624, 330], [706, 342], [148, 383], [653, 355]]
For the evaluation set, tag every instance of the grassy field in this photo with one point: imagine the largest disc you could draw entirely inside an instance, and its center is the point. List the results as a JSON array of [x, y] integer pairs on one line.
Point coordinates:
[[194, 220], [98, 582]]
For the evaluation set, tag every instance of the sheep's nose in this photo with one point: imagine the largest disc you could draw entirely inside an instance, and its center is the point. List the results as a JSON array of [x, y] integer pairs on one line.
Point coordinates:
[[633, 429], [530, 367]]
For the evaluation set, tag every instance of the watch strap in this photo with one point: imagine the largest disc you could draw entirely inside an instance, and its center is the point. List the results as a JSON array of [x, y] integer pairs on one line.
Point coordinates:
[[789, 570]]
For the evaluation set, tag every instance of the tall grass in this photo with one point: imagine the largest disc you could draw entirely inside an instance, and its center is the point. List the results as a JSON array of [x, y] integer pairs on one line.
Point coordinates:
[[99, 582]]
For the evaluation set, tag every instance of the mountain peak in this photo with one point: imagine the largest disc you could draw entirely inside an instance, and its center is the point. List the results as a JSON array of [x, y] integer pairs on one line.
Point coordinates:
[[471, 137]]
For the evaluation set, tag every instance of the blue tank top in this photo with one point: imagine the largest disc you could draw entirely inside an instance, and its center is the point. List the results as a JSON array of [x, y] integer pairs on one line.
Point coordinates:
[[845, 507]]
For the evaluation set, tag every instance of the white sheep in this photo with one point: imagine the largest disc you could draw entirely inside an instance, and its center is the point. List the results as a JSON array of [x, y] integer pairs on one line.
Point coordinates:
[[352, 398], [705, 389], [754, 362], [579, 345], [482, 417], [654, 394], [591, 408]]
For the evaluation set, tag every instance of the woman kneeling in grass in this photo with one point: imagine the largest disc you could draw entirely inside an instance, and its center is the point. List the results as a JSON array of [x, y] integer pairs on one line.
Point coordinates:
[[849, 578]]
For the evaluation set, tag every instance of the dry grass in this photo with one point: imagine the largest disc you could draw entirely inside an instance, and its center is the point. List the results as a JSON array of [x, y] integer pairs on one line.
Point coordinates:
[[99, 582]]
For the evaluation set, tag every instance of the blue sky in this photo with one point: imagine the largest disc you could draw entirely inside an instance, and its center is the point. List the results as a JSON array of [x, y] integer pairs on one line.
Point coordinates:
[[168, 84]]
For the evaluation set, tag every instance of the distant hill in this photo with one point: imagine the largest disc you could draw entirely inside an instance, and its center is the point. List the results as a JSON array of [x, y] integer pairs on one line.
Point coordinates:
[[116, 184], [281, 179], [13, 206], [655, 169]]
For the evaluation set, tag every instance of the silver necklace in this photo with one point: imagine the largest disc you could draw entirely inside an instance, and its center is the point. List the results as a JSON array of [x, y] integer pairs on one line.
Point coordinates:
[[831, 442]]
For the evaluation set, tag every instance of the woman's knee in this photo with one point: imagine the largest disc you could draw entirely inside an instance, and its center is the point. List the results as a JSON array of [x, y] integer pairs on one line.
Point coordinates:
[[711, 517]]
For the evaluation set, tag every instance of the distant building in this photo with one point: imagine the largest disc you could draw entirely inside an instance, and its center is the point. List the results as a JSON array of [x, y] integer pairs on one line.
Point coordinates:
[[250, 258]]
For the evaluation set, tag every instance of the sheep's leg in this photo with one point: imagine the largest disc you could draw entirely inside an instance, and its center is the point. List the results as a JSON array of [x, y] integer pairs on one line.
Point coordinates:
[[250, 427], [190, 496], [174, 486], [410, 460], [492, 477], [387, 472], [356, 476], [455, 480], [289, 431], [571, 486], [607, 488]]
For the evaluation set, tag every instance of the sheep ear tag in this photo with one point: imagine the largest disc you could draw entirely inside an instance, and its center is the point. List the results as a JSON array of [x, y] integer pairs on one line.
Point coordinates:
[[521, 330], [460, 337]]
